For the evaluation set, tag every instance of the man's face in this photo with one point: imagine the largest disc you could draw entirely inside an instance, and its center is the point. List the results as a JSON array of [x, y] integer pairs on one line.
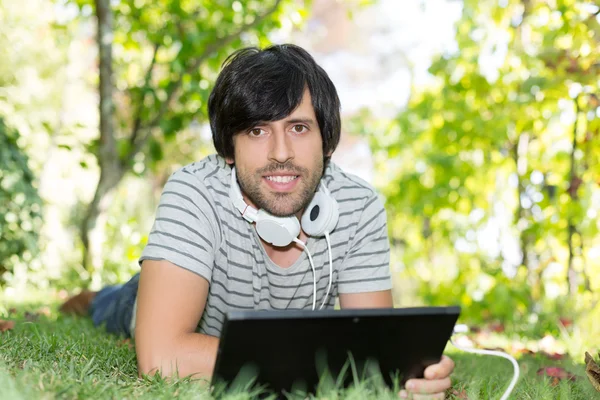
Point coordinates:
[[280, 163]]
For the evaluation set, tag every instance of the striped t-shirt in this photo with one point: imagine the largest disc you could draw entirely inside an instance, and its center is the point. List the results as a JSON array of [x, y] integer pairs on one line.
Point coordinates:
[[198, 228]]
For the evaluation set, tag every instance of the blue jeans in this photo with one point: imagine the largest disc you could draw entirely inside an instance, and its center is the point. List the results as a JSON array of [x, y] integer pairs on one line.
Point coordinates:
[[113, 307]]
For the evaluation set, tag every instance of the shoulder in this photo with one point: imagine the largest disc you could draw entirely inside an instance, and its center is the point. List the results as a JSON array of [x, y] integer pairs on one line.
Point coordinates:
[[201, 187], [349, 190], [210, 176]]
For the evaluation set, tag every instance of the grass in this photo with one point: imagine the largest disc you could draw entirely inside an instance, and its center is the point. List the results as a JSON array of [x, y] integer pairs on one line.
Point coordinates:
[[56, 357]]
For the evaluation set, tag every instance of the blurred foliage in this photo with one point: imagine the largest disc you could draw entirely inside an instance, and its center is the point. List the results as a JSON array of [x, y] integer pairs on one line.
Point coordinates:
[[491, 173], [20, 205], [165, 56], [167, 53]]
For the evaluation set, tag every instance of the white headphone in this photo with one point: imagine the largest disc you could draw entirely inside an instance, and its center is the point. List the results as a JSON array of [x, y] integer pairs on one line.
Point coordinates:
[[319, 219]]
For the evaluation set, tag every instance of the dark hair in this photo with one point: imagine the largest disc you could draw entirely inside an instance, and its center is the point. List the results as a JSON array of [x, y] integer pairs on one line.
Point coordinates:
[[267, 85]]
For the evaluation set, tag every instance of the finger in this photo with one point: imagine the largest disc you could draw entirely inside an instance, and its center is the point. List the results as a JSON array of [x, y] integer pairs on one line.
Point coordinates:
[[436, 396], [440, 370], [405, 395], [425, 386]]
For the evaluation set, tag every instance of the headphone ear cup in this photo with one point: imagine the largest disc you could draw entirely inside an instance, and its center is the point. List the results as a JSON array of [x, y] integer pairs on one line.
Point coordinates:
[[279, 231], [321, 215]]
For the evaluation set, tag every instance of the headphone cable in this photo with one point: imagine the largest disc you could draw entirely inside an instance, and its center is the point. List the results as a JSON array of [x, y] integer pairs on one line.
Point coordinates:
[[313, 270], [330, 270]]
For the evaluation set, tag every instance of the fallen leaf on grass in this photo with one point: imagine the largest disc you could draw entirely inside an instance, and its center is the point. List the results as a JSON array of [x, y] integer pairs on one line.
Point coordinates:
[[6, 325], [592, 370], [556, 374], [566, 322], [44, 311], [125, 342], [553, 356], [31, 317], [34, 316]]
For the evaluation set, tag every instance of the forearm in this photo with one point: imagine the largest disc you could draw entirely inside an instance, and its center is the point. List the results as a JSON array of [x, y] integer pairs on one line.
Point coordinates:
[[191, 354]]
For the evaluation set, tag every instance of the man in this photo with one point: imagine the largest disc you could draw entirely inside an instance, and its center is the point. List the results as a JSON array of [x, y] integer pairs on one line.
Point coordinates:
[[275, 117]]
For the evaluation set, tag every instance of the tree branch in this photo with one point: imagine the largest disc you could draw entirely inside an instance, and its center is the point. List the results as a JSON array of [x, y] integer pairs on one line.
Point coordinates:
[[138, 113], [172, 91]]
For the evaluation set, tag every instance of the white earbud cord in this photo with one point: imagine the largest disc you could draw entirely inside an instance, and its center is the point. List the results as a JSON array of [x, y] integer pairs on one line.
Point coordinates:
[[513, 382], [313, 270], [330, 270]]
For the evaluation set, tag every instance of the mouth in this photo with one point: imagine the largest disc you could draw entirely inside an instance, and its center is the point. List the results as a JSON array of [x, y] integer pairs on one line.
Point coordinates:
[[281, 183]]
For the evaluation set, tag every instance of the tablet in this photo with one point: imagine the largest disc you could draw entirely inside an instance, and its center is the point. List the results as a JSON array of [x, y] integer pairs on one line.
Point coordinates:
[[300, 350]]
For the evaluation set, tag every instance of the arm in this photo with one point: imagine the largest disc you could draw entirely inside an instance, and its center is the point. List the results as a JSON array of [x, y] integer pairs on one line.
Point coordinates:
[[174, 281], [380, 299], [171, 301], [363, 284]]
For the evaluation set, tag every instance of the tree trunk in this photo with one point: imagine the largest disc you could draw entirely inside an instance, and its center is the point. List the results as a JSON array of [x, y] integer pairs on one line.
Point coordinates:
[[111, 169], [574, 182]]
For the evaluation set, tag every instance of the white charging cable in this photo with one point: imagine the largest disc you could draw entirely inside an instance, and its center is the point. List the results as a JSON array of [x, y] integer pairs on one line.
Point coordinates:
[[462, 329], [312, 265]]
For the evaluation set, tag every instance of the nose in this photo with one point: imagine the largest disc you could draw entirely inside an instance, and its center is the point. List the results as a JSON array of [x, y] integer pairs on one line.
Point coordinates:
[[281, 149]]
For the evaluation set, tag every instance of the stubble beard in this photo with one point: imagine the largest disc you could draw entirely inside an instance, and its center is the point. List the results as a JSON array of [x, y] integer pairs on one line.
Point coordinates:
[[281, 204]]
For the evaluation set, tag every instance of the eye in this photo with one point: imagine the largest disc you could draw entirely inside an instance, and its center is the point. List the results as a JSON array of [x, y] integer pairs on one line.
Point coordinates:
[[256, 132], [299, 129]]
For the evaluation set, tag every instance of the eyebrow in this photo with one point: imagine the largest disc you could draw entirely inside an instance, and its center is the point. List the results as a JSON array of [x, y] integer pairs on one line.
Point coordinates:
[[309, 121]]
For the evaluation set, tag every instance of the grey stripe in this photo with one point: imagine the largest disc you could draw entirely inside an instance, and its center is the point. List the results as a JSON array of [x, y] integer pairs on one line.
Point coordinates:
[[307, 297], [271, 305], [367, 266], [355, 181], [352, 199], [238, 248], [379, 230], [372, 253], [216, 295], [211, 307], [224, 194], [242, 266], [204, 164], [215, 282], [173, 221], [182, 196], [372, 219], [206, 316], [346, 187], [358, 247], [228, 211], [322, 278], [181, 253], [351, 225], [236, 231], [206, 324], [179, 238], [178, 208], [364, 280], [217, 168], [233, 278], [199, 192], [347, 213]]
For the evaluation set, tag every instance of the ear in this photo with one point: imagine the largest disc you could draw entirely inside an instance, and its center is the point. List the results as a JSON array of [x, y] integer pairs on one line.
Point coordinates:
[[229, 160]]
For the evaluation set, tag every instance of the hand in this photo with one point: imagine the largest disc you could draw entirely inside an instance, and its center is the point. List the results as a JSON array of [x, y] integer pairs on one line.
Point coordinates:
[[435, 384]]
